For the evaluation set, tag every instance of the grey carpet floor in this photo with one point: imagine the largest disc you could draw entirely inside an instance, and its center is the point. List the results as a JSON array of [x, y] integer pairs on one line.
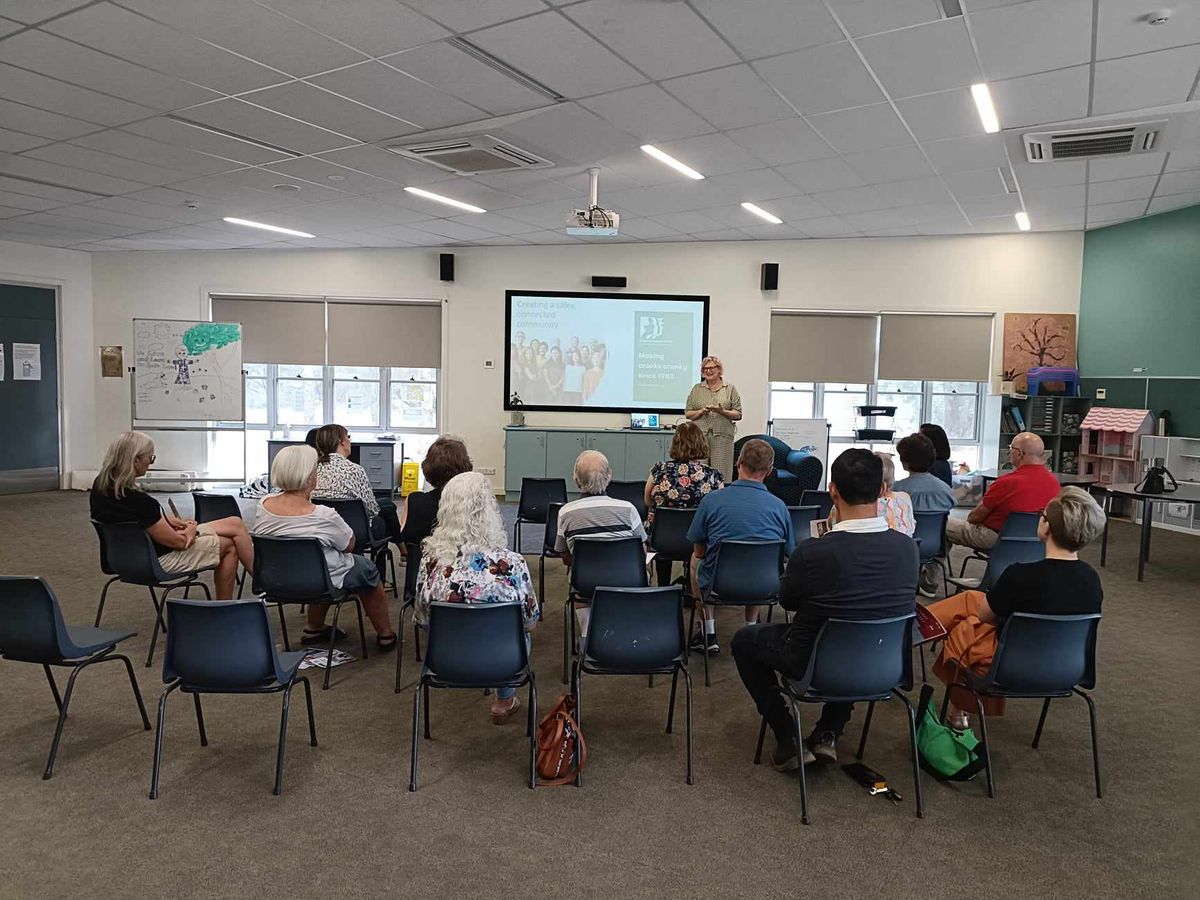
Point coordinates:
[[346, 826]]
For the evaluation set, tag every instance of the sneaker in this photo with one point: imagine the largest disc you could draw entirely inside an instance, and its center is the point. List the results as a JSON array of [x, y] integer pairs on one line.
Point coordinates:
[[823, 746], [705, 643], [927, 582], [784, 758]]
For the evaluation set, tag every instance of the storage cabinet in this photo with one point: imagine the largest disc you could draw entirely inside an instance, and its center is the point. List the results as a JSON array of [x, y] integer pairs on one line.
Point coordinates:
[[524, 457], [1181, 456], [551, 453], [378, 459]]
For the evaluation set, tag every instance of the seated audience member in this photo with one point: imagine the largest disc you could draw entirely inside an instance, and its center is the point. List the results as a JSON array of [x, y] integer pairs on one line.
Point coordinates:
[[466, 560], [682, 481], [594, 514], [1028, 488], [181, 544], [743, 511], [927, 492], [292, 514], [337, 477], [860, 570], [941, 445], [894, 507], [1061, 584], [445, 458], [311, 437]]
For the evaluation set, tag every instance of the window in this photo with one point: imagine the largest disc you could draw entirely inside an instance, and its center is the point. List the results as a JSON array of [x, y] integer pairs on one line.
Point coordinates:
[[955, 407], [356, 396], [413, 398], [299, 395], [792, 399], [907, 397], [258, 410], [840, 400]]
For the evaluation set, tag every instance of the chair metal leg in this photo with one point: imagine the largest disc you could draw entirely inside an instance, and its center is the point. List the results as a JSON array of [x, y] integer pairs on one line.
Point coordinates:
[[103, 597], [531, 727], [862, 743], [312, 724], [800, 750], [241, 583], [578, 691], [427, 735], [137, 693], [416, 638], [1037, 735], [916, 764], [671, 705], [1095, 744], [53, 686], [704, 628], [541, 584], [568, 636], [416, 724], [158, 623], [158, 740], [399, 645], [987, 750], [62, 717], [921, 656], [362, 631], [279, 754], [762, 733], [687, 686], [945, 703], [200, 721]]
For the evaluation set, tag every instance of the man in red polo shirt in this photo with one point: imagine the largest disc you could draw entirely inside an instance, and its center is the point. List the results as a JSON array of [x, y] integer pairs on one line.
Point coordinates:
[[1028, 488]]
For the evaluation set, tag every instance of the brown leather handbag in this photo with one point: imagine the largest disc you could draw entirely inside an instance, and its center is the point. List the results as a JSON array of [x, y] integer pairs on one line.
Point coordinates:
[[561, 749]]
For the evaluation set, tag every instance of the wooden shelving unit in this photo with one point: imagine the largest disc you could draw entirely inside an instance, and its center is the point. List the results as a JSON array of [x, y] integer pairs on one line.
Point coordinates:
[[1056, 420]]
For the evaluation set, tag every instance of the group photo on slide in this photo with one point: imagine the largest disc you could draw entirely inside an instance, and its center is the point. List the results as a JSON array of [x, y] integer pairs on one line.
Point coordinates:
[[547, 373]]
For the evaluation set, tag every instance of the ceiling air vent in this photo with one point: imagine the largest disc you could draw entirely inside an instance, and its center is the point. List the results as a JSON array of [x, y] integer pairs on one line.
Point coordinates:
[[477, 155], [1089, 143]]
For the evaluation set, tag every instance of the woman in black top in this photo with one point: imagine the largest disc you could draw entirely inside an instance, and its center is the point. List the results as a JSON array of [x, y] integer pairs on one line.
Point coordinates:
[[446, 457], [941, 443], [1061, 584]]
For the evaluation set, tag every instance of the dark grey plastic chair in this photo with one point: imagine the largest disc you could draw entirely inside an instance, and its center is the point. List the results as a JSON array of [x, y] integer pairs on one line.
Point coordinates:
[[821, 499], [128, 549], [802, 519], [226, 648], [930, 532], [549, 538], [1018, 525], [637, 631], [474, 646], [669, 540], [210, 508], [746, 573], [1004, 553], [599, 562], [855, 662], [534, 503], [32, 630], [377, 549], [631, 491]]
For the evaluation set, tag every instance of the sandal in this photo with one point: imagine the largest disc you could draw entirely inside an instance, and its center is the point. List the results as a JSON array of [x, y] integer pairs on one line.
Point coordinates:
[[386, 643], [322, 636], [501, 714]]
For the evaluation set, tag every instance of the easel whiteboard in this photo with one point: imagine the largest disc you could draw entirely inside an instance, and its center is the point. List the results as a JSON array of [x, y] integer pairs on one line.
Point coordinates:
[[185, 370], [805, 434]]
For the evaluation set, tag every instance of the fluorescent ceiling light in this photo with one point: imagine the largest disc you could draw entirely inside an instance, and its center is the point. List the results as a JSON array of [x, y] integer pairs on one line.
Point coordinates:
[[762, 213], [987, 112], [458, 204], [265, 227], [1022, 220], [671, 161]]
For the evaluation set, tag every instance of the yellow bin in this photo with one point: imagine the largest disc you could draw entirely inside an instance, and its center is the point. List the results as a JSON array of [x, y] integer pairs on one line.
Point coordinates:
[[410, 478]]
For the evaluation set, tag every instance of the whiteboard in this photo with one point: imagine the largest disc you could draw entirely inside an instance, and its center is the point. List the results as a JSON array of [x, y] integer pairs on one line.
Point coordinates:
[[187, 370], [805, 434]]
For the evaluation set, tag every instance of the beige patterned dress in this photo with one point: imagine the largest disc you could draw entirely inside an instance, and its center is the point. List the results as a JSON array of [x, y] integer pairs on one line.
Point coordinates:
[[718, 429]]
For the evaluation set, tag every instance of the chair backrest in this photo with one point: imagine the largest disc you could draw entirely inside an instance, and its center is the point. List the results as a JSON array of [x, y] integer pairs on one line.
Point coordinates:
[[931, 530], [31, 624], [210, 507], [632, 491], [859, 660], [292, 570], [747, 572], [536, 496], [808, 471], [412, 568], [1005, 552], [353, 513], [130, 552], [222, 645], [607, 562], [1040, 654], [105, 565], [820, 499], [802, 518], [668, 536], [476, 644], [550, 536], [636, 629], [1020, 525]]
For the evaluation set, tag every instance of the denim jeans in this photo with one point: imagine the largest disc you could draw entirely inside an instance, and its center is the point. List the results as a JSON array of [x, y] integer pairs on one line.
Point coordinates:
[[507, 693]]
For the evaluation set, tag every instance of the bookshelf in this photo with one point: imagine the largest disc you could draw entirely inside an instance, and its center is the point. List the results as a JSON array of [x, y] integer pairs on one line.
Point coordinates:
[[1056, 420], [1181, 456]]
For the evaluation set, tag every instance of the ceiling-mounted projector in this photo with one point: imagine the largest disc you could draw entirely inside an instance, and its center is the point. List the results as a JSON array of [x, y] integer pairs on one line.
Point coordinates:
[[593, 221]]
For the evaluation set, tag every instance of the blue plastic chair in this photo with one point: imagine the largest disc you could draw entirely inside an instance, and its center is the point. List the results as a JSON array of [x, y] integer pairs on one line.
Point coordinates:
[[1004, 553], [1019, 525], [930, 534], [474, 646], [821, 499], [32, 630], [226, 648], [412, 568], [802, 519], [637, 631], [669, 540], [599, 562], [293, 570], [855, 662], [549, 537], [746, 573], [129, 551], [210, 508], [534, 503], [377, 549], [631, 491], [1037, 656]]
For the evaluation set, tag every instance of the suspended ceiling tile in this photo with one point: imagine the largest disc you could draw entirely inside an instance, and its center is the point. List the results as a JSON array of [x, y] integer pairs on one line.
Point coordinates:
[[648, 113], [932, 57], [822, 78], [1032, 37], [767, 27]]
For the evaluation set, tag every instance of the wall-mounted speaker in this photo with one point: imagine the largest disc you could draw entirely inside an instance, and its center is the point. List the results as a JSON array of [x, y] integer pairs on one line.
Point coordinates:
[[608, 281], [770, 277], [446, 265]]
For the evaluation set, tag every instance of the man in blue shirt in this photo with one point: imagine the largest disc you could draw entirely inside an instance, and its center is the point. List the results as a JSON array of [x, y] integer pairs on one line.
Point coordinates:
[[743, 511]]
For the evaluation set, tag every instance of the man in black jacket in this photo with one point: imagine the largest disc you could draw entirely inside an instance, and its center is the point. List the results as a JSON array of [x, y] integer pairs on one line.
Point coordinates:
[[859, 570]]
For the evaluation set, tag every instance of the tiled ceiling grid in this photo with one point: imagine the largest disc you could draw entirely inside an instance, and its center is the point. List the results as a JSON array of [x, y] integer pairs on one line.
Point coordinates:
[[842, 117]]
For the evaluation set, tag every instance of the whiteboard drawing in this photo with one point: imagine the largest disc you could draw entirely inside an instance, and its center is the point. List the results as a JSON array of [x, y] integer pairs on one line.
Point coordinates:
[[188, 370]]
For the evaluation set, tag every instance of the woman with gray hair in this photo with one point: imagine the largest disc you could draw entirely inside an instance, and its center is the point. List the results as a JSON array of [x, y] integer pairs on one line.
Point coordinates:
[[291, 514], [466, 560], [1061, 584]]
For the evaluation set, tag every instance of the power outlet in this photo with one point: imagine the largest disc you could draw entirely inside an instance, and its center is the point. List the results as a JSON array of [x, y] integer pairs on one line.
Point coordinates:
[[1101, 393], [486, 470]]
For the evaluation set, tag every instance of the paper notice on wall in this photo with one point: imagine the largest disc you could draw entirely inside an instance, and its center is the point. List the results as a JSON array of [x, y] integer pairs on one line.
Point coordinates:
[[1, 362], [27, 362]]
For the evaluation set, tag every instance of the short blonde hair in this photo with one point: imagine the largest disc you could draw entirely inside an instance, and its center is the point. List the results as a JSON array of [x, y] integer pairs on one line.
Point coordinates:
[[889, 468], [1075, 518], [713, 361], [293, 466], [117, 474]]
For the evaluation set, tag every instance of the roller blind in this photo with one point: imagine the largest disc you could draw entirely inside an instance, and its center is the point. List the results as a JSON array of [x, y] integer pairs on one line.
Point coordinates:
[[935, 348], [823, 347], [277, 330], [385, 334]]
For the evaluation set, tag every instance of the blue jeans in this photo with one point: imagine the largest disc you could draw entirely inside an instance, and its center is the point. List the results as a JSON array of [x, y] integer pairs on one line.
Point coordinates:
[[507, 693]]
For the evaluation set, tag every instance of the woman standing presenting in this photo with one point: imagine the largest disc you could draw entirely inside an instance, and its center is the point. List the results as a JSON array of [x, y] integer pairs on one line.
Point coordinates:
[[715, 406]]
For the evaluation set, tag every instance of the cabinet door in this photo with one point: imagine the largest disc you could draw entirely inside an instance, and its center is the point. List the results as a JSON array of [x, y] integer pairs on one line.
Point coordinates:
[[377, 461], [524, 457], [642, 451], [612, 445], [562, 447]]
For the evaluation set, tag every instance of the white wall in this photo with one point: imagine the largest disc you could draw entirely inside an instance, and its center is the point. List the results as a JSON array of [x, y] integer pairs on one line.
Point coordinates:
[[994, 273], [79, 358]]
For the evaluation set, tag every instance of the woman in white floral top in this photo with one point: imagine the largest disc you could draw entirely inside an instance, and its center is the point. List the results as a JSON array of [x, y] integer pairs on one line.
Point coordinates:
[[466, 560]]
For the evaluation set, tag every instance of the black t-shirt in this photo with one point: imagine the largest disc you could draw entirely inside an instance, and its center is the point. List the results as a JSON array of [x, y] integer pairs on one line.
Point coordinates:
[[135, 506], [421, 516], [847, 575], [1055, 587]]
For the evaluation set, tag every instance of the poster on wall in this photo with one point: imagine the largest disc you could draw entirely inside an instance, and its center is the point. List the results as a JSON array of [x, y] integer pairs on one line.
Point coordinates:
[[27, 362], [1037, 339]]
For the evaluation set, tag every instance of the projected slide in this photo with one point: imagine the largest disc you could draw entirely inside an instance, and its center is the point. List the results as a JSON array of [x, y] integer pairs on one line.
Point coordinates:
[[603, 352]]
